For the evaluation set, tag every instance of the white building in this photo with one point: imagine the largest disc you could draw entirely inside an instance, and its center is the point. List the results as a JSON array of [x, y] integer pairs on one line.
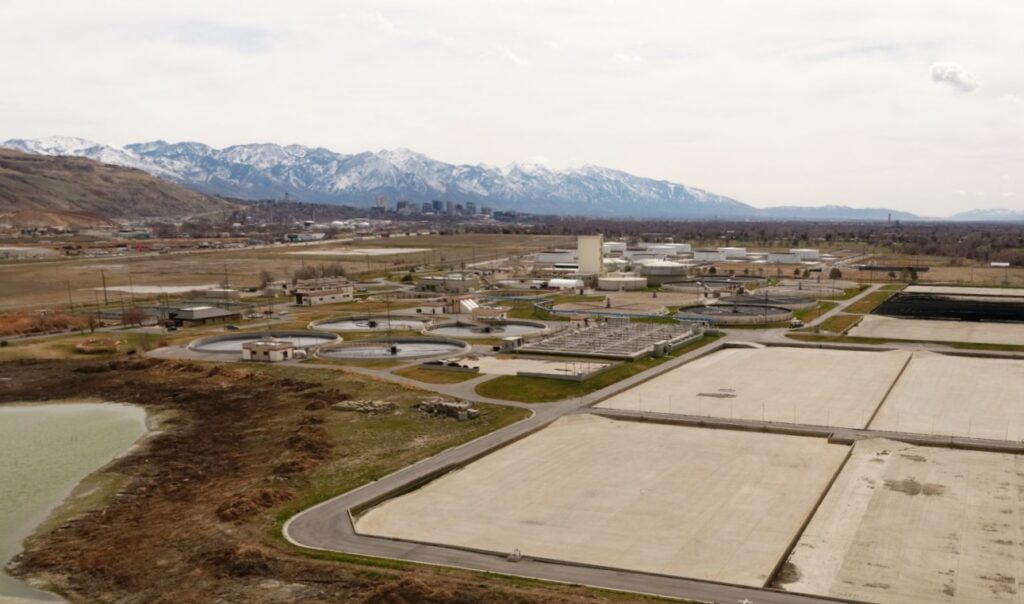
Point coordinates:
[[268, 351], [613, 247], [328, 290], [588, 254]]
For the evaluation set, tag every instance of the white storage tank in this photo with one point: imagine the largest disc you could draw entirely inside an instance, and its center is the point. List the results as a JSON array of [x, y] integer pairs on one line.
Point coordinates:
[[614, 283], [667, 249], [663, 271], [566, 284], [734, 253], [555, 257], [613, 247]]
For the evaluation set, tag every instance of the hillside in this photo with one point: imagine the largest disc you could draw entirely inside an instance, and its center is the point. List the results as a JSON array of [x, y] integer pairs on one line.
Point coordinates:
[[73, 191]]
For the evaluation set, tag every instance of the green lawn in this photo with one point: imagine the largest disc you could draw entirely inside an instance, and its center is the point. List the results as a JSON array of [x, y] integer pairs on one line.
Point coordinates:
[[545, 390], [809, 314], [840, 323], [870, 302]]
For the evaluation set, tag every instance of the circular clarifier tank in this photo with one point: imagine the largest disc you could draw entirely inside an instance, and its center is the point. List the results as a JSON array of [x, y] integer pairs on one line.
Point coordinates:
[[737, 314], [382, 324], [501, 329], [395, 348], [232, 343]]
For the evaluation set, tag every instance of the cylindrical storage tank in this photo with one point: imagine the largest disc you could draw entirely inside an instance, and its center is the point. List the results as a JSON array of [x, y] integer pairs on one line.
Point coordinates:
[[663, 271], [734, 253], [737, 314], [555, 257], [615, 283], [668, 249], [613, 247], [565, 283]]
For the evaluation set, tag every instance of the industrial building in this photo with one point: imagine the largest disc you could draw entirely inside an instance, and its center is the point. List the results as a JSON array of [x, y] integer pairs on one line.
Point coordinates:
[[327, 290], [588, 254], [452, 283], [613, 247], [268, 351], [618, 339], [197, 315]]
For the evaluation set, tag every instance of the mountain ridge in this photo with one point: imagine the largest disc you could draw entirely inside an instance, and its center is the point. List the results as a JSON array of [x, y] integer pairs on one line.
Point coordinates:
[[318, 174]]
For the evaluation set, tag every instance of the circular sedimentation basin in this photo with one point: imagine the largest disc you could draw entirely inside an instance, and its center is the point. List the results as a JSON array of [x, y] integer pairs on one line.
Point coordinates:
[[501, 329], [232, 343], [738, 314], [373, 323], [394, 348]]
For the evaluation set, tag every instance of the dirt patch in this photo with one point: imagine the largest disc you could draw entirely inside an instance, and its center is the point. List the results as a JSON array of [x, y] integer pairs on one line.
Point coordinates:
[[194, 521], [910, 486]]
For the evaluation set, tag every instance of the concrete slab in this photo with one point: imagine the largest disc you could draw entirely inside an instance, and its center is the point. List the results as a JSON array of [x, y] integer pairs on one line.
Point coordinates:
[[502, 365], [915, 525], [965, 291], [959, 396], [928, 330], [710, 504], [794, 385]]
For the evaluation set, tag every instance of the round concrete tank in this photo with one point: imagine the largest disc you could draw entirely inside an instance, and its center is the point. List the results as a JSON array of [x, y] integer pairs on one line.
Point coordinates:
[[232, 343], [614, 283], [659, 272], [737, 314], [369, 323], [490, 329], [394, 348]]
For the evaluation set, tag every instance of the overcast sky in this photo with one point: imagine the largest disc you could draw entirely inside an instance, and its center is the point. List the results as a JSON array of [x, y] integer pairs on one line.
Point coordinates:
[[915, 104]]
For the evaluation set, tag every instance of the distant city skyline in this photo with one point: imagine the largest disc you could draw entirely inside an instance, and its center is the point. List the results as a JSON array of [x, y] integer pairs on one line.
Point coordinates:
[[914, 105]]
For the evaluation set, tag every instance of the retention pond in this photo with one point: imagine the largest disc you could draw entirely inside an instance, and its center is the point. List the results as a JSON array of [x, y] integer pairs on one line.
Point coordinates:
[[46, 450]]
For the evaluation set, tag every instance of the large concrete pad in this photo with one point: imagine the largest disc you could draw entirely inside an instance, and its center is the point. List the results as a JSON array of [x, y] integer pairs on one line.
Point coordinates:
[[929, 330], [958, 396], [916, 525], [794, 385], [710, 504]]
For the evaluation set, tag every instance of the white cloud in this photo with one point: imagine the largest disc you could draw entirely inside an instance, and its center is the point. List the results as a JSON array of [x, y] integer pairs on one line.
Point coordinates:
[[953, 74], [737, 97]]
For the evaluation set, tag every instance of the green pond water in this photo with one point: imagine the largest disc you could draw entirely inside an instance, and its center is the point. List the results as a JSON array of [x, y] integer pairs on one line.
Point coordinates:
[[45, 450]]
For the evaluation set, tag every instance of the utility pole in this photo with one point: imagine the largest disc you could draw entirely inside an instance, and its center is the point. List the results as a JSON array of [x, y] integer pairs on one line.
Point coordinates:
[[103, 276], [71, 303]]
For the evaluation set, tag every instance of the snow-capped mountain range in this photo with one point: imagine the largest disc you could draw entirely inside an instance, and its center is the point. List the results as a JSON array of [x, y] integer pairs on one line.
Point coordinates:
[[316, 174], [268, 171]]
